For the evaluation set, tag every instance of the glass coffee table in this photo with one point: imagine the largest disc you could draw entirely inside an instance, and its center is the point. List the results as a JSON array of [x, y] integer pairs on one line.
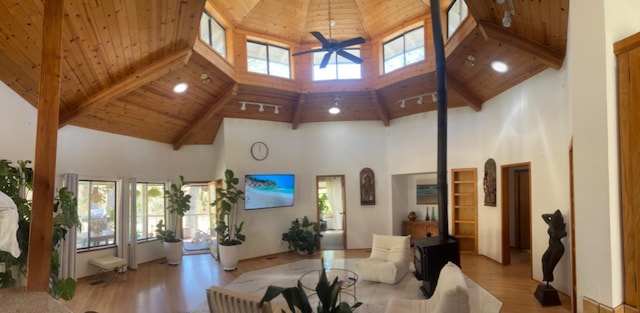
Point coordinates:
[[346, 278]]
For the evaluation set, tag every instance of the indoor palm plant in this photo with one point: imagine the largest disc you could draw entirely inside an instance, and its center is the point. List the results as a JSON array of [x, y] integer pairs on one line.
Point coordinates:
[[229, 232], [178, 202], [303, 237], [14, 182]]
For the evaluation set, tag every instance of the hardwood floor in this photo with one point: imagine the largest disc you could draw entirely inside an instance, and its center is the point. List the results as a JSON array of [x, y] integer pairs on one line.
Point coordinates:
[[158, 287]]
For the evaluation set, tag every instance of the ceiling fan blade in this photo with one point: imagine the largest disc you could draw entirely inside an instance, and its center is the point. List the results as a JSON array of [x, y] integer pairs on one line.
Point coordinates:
[[308, 51], [351, 42], [349, 56], [320, 38], [325, 60]]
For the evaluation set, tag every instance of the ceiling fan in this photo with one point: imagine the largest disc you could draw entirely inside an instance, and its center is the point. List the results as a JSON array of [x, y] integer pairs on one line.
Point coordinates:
[[331, 45]]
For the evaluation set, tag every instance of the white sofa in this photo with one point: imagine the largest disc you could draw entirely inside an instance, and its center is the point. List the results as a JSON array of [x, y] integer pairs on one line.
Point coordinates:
[[451, 296]]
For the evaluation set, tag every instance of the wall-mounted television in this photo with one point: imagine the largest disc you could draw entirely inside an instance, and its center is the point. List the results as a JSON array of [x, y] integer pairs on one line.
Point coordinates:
[[262, 191]]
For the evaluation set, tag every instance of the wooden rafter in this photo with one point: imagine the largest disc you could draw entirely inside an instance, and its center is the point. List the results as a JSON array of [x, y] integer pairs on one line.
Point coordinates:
[[206, 116], [130, 83], [469, 98], [376, 104], [298, 112], [548, 56]]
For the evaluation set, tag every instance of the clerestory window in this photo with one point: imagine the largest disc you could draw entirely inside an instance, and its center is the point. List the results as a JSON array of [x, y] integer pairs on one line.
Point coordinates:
[[403, 50], [212, 33], [268, 59], [456, 13], [338, 67]]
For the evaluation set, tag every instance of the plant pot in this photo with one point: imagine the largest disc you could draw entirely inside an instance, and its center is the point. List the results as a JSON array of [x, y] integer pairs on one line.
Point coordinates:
[[229, 256], [173, 252]]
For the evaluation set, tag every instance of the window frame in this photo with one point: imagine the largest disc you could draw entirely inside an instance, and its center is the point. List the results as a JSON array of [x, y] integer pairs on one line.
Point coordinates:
[[462, 19], [404, 49], [209, 41], [268, 59], [145, 214], [334, 61], [117, 185]]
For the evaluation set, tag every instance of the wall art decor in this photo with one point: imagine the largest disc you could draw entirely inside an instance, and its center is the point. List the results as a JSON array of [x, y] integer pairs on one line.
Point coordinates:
[[426, 194], [490, 183], [367, 187]]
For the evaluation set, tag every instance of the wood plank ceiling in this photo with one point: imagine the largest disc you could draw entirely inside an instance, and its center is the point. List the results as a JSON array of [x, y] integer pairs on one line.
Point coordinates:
[[121, 60]]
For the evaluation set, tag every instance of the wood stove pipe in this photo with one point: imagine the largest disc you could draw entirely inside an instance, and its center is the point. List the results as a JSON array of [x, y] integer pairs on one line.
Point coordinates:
[[441, 75]]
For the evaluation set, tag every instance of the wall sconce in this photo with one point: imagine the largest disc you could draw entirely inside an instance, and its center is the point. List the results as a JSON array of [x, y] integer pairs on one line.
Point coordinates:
[[276, 108], [434, 98]]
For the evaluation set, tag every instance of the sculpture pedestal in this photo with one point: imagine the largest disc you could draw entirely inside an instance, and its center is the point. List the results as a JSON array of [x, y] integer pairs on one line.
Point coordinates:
[[547, 295]]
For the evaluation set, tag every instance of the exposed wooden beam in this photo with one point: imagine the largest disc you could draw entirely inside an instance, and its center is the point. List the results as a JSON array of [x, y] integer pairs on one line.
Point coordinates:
[[548, 56], [209, 113], [130, 83], [298, 112], [469, 98], [376, 104], [44, 170]]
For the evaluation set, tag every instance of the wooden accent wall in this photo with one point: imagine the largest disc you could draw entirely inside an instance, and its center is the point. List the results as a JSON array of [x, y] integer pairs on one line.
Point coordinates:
[[628, 53]]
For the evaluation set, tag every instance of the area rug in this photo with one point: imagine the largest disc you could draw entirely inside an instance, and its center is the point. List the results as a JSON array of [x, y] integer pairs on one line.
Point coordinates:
[[374, 296]]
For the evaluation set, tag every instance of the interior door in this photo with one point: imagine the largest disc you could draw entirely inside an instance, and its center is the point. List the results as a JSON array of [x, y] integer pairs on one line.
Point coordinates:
[[522, 209], [332, 215]]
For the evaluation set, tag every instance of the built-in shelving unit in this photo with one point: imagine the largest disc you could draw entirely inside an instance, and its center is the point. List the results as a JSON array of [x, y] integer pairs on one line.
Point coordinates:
[[464, 205]]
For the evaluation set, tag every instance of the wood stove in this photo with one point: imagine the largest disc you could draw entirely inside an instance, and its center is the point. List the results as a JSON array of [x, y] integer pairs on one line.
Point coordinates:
[[429, 256]]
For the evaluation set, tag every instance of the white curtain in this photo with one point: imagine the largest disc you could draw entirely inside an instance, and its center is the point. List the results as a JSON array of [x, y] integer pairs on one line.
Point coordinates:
[[334, 194], [133, 222], [67, 249]]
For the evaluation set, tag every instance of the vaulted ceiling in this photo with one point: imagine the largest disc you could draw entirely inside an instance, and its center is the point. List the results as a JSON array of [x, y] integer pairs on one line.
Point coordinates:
[[121, 59]]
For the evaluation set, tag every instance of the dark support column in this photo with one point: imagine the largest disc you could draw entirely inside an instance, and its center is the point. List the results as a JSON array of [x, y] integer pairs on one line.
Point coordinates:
[[44, 166], [441, 75]]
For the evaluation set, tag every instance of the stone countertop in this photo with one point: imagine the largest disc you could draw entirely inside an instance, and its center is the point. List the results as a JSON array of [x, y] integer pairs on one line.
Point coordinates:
[[17, 300]]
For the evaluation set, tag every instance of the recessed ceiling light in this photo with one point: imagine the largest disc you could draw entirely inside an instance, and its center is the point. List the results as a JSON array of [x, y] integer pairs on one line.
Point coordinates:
[[180, 87], [499, 66], [334, 110]]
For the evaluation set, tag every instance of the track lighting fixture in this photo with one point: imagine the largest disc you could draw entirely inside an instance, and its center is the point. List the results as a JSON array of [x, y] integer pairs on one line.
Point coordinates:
[[420, 98], [276, 108]]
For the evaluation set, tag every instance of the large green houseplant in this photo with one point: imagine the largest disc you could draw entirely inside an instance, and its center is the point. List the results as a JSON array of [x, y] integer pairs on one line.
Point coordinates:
[[178, 203], [15, 180], [228, 231], [303, 237]]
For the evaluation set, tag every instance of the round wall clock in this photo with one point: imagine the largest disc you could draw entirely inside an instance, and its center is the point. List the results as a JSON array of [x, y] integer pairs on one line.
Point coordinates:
[[259, 150]]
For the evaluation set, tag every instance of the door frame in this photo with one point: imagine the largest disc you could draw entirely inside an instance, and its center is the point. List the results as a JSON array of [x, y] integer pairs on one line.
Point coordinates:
[[344, 206], [505, 208]]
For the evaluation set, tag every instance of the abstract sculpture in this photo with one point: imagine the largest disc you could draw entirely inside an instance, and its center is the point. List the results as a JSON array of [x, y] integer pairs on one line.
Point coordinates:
[[545, 293]]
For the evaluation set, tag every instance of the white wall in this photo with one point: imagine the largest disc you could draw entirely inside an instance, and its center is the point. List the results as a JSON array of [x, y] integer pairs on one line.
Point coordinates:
[[594, 26], [336, 148], [528, 123]]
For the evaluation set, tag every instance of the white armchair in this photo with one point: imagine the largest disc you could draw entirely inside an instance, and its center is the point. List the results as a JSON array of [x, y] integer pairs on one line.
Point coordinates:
[[388, 262]]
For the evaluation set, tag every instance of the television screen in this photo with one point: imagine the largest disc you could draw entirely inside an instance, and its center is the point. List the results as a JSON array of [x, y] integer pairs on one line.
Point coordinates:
[[263, 191]]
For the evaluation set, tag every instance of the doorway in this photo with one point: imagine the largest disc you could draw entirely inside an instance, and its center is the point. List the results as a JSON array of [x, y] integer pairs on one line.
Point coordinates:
[[331, 212], [516, 210]]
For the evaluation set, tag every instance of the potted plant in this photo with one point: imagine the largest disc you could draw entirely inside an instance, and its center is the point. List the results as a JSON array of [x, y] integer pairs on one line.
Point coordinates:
[[328, 295], [303, 237], [178, 202], [323, 206], [14, 180], [228, 231]]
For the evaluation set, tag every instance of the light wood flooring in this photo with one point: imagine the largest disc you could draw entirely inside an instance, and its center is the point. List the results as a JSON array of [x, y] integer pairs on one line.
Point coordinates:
[[158, 287]]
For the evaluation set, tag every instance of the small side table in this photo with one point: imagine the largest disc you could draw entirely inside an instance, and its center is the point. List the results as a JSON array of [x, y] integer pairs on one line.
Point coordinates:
[[346, 278]]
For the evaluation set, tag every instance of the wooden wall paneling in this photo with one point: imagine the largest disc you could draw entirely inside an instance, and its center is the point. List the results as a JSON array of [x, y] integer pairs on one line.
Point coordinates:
[[44, 170]]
